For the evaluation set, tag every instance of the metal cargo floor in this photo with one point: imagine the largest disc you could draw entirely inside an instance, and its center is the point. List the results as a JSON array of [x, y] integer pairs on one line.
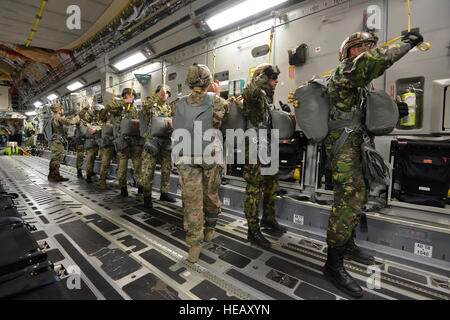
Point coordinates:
[[125, 251]]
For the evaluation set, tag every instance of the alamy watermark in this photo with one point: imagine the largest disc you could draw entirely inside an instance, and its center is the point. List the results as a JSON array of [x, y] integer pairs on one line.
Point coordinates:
[[73, 21], [208, 147]]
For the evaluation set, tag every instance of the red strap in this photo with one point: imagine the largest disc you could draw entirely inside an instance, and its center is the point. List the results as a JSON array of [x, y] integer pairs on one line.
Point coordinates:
[[429, 161]]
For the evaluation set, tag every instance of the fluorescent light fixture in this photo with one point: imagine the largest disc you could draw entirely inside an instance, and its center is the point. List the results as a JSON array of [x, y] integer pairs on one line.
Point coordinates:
[[52, 97], [241, 11], [37, 104], [30, 113], [74, 86], [130, 61]]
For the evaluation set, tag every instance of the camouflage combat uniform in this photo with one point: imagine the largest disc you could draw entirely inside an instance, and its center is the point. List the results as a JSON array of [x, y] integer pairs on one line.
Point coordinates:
[[155, 106], [91, 153], [57, 146], [107, 153], [85, 117], [350, 189], [257, 104], [118, 109], [200, 183]]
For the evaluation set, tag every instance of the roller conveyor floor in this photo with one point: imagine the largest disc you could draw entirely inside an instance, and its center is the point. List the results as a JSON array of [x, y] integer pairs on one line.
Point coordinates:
[[125, 251]]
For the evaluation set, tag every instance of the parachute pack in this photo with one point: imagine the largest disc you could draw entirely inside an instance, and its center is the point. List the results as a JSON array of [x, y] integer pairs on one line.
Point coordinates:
[[313, 109], [48, 128]]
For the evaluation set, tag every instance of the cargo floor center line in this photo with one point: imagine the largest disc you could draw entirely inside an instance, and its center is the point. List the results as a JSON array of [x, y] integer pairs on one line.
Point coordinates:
[[228, 258]]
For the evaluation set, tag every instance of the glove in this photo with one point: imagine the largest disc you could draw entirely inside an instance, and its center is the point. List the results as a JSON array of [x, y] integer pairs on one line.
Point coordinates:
[[413, 38], [403, 109], [285, 107]]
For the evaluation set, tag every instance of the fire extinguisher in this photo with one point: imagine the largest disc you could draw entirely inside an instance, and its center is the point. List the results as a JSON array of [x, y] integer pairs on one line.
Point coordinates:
[[409, 97]]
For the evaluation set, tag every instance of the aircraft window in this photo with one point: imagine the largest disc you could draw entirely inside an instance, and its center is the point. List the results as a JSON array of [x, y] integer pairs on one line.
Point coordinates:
[[172, 76], [260, 51], [180, 88]]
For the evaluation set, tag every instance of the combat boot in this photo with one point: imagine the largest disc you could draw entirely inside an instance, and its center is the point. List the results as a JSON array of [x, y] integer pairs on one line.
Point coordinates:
[[79, 174], [334, 270], [209, 233], [255, 236], [89, 178], [102, 185], [167, 197], [60, 178], [52, 177], [355, 253], [148, 202], [273, 225], [194, 253], [123, 192], [141, 190]]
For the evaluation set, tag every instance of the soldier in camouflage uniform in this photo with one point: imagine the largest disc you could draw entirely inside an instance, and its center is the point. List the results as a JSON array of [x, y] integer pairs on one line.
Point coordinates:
[[200, 183], [85, 118], [258, 101], [58, 138], [157, 106], [91, 145], [107, 152], [4, 133], [361, 63], [119, 109]]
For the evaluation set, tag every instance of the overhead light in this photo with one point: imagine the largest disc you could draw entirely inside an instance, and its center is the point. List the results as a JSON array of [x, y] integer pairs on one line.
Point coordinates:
[[75, 86], [30, 113], [74, 93], [52, 97], [241, 11], [37, 104], [130, 61]]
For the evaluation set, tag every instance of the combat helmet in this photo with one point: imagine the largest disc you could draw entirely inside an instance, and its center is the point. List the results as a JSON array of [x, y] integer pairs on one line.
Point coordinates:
[[198, 75], [99, 107], [355, 39], [270, 70], [128, 91]]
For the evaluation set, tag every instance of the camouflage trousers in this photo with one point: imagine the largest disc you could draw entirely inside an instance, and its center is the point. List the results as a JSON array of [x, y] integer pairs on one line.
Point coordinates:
[[57, 149], [350, 191], [148, 172], [91, 155], [107, 155], [257, 185], [135, 154], [80, 156], [201, 203]]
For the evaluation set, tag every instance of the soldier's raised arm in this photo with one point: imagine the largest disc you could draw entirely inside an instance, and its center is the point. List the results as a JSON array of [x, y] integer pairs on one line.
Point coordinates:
[[371, 64]]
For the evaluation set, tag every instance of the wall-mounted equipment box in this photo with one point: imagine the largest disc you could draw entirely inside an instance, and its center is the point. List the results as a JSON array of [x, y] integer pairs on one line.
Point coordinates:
[[235, 87], [440, 108]]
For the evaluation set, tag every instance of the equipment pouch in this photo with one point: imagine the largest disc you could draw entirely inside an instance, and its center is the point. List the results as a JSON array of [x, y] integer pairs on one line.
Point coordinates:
[[130, 127], [374, 167], [90, 143], [284, 122], [160, 126], [152, 146], [120, 144], [313, 109], [381, 113]]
